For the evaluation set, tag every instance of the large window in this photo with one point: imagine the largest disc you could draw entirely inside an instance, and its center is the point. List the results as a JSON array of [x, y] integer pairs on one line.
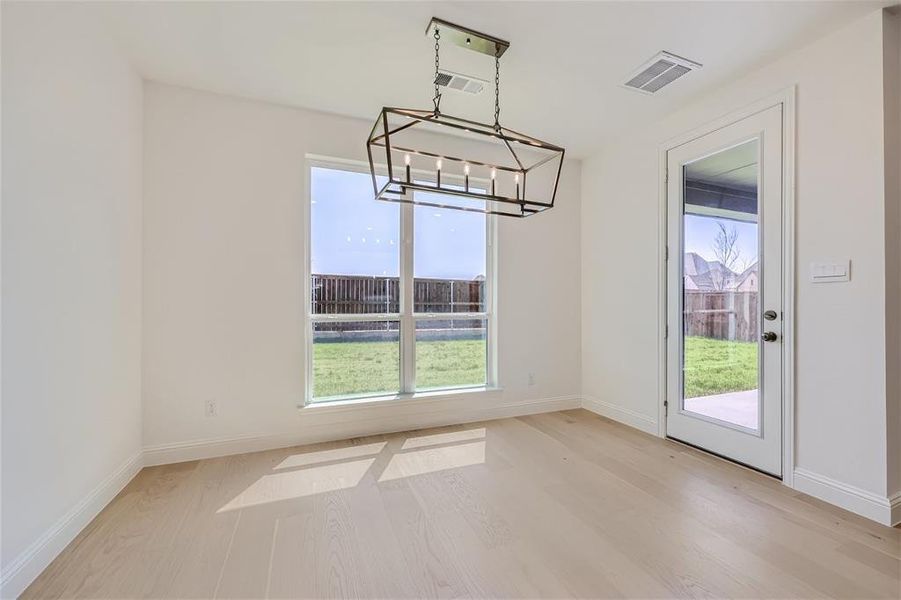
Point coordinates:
[[399, 295]]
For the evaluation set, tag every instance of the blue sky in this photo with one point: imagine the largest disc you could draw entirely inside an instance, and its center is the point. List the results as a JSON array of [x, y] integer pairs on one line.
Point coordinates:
[[353, 234], [701, 231], [356, 235]]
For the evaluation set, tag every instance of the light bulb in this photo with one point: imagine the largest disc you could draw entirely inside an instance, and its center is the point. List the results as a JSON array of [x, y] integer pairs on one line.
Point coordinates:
[[466, 169], [407, 159], [438, 164], [493, 173], [516, 178]]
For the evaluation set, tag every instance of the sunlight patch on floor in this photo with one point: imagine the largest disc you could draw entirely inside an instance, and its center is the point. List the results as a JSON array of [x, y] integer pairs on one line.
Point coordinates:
[[444, 438], [301, 483], [434, 459], [309, 473], [322, 456]]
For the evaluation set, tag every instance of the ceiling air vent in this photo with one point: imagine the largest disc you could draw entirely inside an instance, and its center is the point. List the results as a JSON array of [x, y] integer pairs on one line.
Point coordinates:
[[460, 83], [661, 70]]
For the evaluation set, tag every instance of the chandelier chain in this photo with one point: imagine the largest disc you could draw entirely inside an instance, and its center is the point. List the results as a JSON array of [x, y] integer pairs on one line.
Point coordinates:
[[437, 99], [497, 88]]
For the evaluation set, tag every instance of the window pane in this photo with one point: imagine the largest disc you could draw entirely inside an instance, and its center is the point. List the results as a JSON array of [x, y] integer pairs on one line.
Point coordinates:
[[450, 353], [355, 358], [449, 257], [355, 245]]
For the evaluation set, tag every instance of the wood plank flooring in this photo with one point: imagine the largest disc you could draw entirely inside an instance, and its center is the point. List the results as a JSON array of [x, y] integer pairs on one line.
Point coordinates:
[[556, 505]]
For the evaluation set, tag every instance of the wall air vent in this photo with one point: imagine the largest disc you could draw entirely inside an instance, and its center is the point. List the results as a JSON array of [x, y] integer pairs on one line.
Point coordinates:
[[660, 71], [460, 83]]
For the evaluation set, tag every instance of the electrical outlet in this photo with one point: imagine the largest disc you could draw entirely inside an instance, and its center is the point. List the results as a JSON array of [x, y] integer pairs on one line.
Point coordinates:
[[211, 408]]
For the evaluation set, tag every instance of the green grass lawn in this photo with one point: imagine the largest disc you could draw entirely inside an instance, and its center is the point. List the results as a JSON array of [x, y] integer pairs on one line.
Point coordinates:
[[711, 366], [371, 367], [719, 366]]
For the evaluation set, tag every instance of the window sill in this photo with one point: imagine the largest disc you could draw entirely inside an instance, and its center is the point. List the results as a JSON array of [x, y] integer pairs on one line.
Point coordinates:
[[342, 404]]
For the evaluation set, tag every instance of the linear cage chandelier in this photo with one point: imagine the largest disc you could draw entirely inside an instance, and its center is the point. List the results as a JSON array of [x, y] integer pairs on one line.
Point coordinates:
[[428, 158]]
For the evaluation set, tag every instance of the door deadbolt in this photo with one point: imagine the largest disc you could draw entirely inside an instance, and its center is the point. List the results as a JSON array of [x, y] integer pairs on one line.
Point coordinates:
[[769, 336], [770, 315]]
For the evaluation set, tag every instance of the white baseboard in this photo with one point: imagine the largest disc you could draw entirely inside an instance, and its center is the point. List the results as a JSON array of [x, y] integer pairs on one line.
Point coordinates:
[[866, 504], [390, 420], [23, 569], [895, 510], [620, 414]]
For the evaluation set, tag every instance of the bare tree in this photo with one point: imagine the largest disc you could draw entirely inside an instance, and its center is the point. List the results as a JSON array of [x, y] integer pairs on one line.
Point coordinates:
[[726, 251]]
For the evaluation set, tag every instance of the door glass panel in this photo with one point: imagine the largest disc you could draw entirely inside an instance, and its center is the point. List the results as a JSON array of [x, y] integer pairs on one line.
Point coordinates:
[[720, 287]]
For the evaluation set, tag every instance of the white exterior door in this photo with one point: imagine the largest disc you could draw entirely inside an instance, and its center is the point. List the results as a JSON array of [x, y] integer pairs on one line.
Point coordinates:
[[724, 291]]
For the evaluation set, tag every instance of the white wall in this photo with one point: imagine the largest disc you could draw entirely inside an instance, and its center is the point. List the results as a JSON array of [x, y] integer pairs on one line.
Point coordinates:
[[71, 260], [895, 449], [892, 140], [840, 340], [223, 274]]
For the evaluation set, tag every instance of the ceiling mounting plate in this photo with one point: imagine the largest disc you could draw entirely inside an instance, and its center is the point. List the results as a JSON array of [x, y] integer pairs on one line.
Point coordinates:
[[468, 38]]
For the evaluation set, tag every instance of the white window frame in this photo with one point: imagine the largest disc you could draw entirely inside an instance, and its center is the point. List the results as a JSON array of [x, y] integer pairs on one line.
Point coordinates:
[[406, 317]]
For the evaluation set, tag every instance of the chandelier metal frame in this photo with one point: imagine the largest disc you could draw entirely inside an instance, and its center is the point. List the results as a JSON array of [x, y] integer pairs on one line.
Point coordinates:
[[494, 194]]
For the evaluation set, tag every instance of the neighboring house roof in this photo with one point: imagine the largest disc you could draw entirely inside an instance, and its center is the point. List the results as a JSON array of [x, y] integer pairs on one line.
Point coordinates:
[[694, 264], [746, 278], [701, 274]]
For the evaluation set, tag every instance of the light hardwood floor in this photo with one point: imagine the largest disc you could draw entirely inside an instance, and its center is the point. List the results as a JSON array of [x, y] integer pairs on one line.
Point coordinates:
[[563, 504]]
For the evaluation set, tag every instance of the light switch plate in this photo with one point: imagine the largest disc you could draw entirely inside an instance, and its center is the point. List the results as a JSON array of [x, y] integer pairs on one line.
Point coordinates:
[[830, 272]]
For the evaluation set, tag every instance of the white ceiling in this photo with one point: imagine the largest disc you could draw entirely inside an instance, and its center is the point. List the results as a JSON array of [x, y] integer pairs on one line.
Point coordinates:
[[560, 80]]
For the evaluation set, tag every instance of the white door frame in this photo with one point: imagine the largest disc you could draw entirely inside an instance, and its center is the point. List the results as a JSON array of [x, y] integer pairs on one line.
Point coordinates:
[[787, 99]]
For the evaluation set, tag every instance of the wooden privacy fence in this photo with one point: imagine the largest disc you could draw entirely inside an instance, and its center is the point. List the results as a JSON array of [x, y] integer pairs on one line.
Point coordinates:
[[448, 295], [351, 294], [722, 315]]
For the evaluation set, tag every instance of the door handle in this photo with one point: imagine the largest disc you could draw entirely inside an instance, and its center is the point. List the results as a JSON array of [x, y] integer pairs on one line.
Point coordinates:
[[769, 336]]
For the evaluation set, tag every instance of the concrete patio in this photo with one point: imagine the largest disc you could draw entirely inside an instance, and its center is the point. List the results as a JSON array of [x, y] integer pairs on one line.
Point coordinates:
[[738, 408]]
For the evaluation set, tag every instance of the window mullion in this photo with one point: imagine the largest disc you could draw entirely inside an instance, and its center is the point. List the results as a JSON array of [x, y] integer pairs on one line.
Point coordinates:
[[491, 300], [407, 324], [450, 316]]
